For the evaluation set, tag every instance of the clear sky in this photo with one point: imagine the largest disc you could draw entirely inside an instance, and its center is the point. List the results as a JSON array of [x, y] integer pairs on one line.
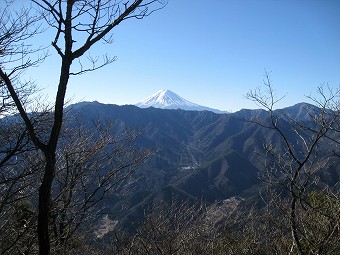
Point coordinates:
[[212, 52]]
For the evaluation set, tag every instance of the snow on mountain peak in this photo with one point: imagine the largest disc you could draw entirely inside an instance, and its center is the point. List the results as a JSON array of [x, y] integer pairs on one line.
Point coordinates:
[[166, 99]]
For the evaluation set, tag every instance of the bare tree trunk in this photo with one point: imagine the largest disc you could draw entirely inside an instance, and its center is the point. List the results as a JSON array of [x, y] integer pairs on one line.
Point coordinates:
[[293, 224], [44, 203], [102, 16], [50, 156]]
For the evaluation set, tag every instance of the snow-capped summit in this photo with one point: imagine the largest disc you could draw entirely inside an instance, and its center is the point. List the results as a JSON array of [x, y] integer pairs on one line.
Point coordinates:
[[166, 99]]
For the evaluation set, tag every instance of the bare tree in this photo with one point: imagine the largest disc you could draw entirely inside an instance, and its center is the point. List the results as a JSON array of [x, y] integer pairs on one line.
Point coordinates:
[[17, 183], [91, 166], [180, 227], [18, 214], [72, 20], [16, 55], [183, 227], [311, 145]]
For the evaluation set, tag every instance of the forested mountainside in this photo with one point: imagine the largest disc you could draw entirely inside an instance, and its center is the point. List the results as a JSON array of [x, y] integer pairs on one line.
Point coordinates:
[[129, 179], [199, 155]]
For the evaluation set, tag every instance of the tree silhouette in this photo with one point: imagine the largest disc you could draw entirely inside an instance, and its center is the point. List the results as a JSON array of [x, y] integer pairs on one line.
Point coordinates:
[[72, 20]]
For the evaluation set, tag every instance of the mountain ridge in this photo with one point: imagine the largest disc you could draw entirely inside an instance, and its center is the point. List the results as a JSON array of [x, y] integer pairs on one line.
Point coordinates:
[[200, 154]]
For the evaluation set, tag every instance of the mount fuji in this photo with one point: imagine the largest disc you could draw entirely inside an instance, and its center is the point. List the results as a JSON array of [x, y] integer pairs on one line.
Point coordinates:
[[166, 99]]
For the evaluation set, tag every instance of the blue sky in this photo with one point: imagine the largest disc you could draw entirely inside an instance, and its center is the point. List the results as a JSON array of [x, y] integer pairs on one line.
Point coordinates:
[[212, 52]]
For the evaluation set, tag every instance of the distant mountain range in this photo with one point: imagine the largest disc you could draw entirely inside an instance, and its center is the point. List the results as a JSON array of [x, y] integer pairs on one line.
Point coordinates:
[[201, 154], [166, 99]]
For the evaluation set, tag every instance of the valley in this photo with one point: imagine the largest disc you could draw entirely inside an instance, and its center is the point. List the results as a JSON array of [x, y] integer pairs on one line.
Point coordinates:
[[199, 155]]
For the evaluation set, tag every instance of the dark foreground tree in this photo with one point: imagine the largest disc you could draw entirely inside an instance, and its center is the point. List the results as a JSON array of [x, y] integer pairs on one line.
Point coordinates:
[[294, 174], [92, 165], [17, 183], [73, 20]]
